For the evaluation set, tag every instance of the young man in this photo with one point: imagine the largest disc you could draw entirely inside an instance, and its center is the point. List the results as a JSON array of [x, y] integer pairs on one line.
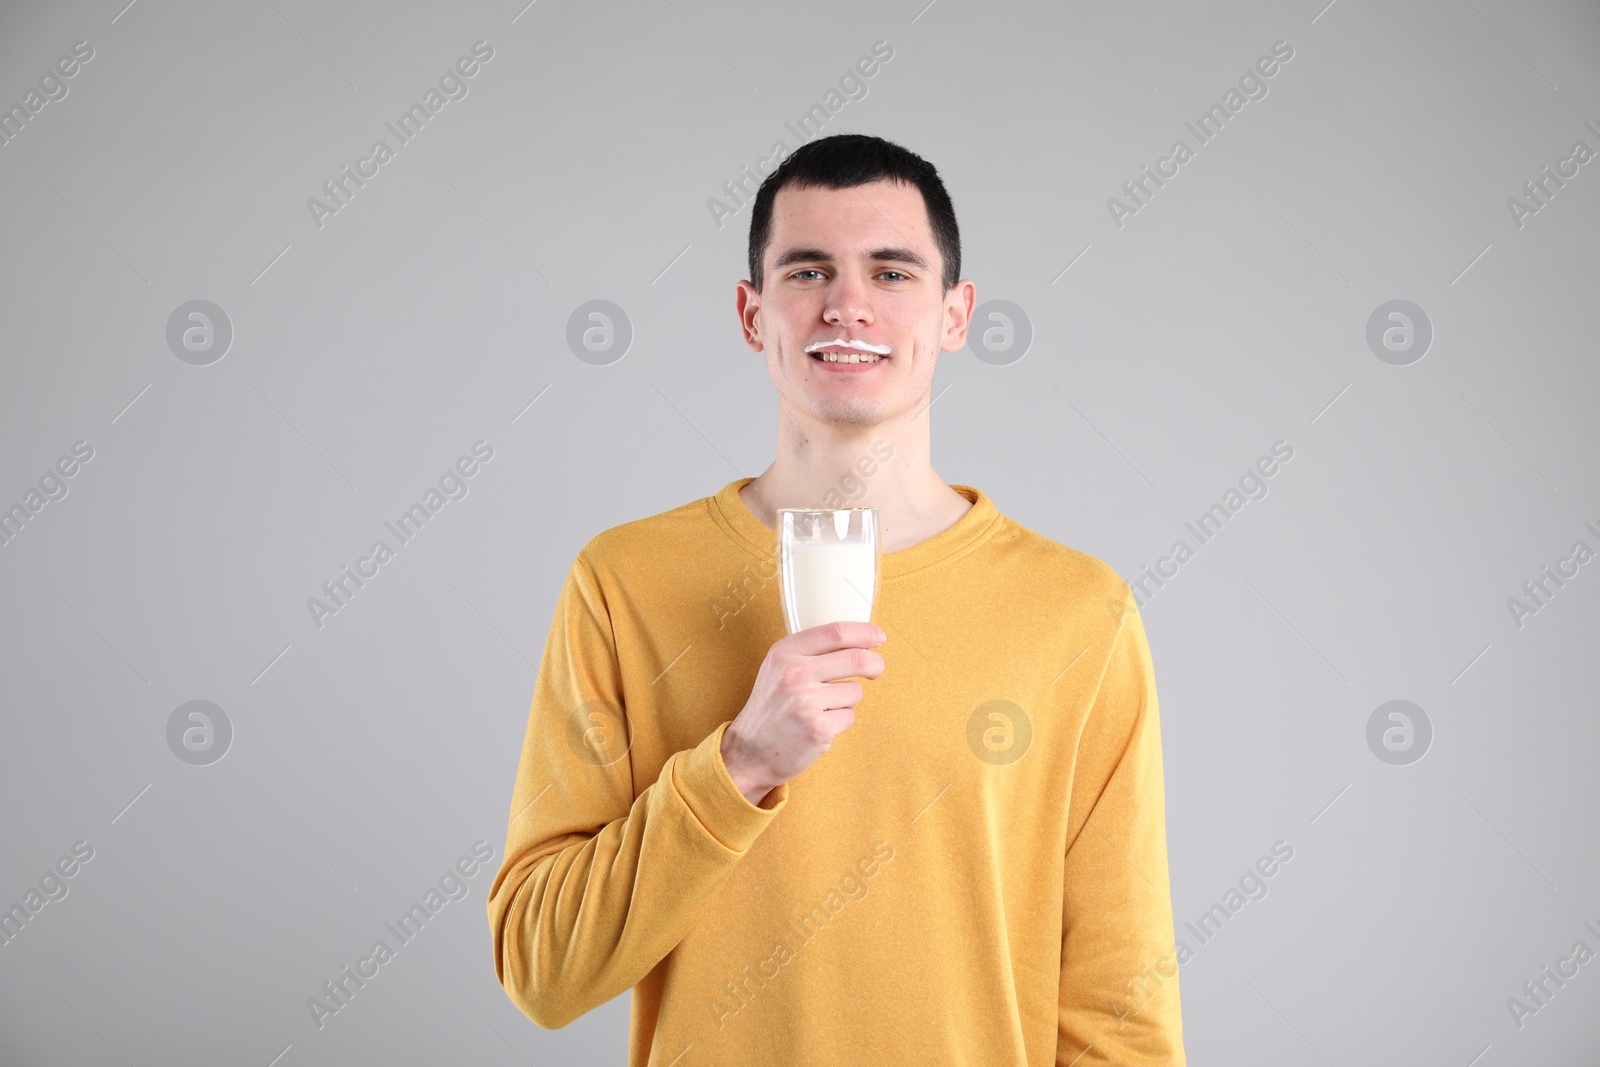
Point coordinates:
[[960, 859]]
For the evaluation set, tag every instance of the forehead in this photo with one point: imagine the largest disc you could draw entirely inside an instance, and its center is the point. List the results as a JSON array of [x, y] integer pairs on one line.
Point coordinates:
[[846, 222]]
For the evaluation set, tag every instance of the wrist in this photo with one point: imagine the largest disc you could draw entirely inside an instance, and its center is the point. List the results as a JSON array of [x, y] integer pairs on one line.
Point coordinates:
[[751, 785]]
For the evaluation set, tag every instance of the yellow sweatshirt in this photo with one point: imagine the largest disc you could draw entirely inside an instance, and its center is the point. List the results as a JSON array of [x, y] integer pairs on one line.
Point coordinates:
[[974, 873]]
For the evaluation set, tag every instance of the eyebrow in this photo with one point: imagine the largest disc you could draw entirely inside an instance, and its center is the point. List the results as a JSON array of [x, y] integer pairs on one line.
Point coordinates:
[[887, 254]]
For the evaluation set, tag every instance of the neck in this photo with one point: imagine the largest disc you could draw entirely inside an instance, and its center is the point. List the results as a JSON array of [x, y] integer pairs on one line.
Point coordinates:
[[887, 467]]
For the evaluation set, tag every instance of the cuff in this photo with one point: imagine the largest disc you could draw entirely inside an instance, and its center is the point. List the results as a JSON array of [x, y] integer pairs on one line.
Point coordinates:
[[703, 783]]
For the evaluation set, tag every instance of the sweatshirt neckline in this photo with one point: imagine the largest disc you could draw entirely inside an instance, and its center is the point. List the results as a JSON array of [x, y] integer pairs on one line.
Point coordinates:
[[730, 512]]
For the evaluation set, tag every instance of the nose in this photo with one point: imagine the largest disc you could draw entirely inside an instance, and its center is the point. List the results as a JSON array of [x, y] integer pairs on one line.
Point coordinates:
[[849, 303]]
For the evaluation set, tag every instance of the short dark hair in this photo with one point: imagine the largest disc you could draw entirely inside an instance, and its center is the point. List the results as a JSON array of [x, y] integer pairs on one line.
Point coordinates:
[[844, 161]]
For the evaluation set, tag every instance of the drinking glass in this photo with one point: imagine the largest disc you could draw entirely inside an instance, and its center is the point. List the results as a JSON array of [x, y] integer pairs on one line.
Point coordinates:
[[828, 565]]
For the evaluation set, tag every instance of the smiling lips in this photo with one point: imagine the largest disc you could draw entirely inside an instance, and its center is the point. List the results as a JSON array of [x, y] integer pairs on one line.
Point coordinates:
[[848, 351]]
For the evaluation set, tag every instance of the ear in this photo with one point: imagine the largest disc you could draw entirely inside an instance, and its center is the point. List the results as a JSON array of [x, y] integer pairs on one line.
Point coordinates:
[[747, 302], [959, 303]]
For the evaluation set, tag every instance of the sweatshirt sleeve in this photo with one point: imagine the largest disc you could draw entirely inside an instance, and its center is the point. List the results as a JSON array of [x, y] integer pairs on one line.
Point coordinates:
[[1119, 970], [598, 884]]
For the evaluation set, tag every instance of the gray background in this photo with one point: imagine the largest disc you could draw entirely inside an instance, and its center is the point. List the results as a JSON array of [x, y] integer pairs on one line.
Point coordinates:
[[370, 353]]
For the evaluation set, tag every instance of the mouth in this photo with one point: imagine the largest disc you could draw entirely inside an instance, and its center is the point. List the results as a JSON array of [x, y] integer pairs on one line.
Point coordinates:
[[848, 359], [848, 355]]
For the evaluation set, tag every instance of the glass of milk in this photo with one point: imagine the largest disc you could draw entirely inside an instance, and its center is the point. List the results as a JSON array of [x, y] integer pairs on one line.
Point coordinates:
[[827, 565]]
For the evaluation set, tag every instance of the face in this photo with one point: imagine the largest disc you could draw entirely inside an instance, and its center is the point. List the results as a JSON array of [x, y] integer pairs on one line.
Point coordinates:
[[853, 265]]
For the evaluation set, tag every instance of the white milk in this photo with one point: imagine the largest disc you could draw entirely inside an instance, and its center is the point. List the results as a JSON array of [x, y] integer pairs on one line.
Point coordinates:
[[831, 582]]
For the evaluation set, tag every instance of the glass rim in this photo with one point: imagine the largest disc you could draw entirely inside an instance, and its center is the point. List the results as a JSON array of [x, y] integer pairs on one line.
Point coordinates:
[[782, 510]]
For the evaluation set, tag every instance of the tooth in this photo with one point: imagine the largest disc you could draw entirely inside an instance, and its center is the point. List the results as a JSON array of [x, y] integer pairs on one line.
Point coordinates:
[[850, 357]]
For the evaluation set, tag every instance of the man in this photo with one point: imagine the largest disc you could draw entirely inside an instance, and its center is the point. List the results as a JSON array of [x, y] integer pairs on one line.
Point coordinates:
[[960, 859]]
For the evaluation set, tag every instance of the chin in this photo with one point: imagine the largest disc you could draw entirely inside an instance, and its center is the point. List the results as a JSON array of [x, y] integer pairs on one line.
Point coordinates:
[[856, 416]]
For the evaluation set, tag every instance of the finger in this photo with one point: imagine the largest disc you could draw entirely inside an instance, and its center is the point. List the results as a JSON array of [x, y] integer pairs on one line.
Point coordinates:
[[846, 663], [832, 636], [840, 695], [839, 720]]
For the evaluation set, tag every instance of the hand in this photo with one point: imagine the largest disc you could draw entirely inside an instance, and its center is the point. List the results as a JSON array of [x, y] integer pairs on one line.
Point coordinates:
[[798, 704]]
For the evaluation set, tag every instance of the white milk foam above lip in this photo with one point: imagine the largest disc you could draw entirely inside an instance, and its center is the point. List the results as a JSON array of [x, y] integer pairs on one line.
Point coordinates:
[[858, 346], [824, 580]]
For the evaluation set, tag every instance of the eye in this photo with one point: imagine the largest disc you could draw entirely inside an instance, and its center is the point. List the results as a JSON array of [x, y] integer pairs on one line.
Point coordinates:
[[902, 275], [808, 270]]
